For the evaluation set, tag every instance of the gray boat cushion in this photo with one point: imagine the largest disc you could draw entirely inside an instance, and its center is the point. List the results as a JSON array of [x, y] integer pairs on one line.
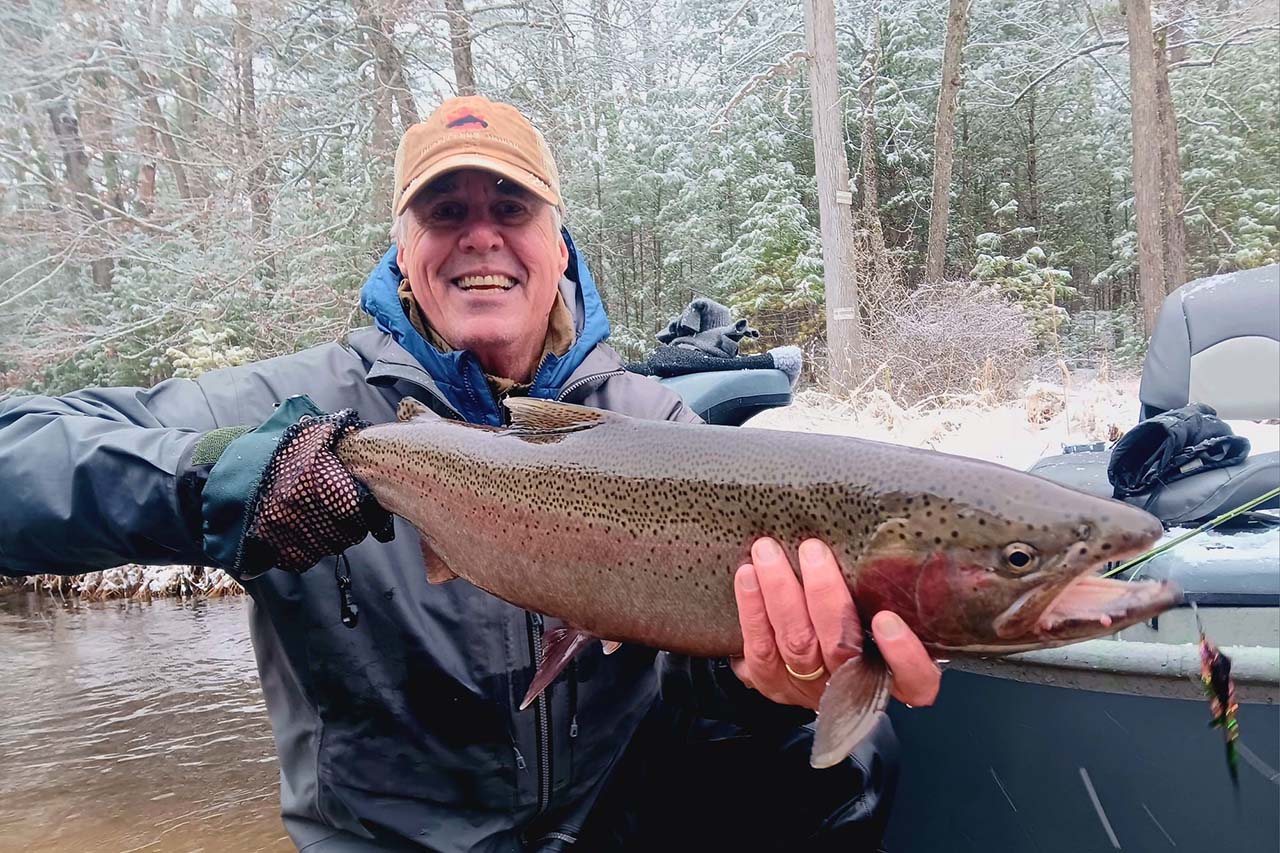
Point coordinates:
[[1193, 500], [1217, 341], [1217, 377]]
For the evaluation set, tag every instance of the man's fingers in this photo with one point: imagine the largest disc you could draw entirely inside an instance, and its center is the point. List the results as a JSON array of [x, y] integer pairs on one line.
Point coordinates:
[[784, 601], [759, 651], [830, 605], [916, 677]]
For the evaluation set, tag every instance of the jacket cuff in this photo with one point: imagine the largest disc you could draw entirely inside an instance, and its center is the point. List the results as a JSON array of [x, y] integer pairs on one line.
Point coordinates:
[[230, 494]]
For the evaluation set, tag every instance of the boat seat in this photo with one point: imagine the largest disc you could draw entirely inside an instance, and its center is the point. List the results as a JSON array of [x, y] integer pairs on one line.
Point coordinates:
[[1216, 341], [730, 397], [1188, 501]]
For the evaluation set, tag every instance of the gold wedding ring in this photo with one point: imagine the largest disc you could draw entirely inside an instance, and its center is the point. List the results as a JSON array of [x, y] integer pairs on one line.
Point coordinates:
[[812, 676]]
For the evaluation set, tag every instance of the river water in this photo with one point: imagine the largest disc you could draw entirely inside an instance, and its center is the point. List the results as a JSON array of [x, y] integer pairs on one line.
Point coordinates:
[[127, 726]]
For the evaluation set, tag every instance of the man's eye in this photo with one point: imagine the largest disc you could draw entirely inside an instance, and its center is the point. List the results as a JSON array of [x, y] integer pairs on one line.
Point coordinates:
[[510, 209], [448, 212]]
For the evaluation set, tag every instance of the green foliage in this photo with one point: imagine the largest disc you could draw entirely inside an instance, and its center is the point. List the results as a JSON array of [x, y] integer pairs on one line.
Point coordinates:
[[1017, 266]]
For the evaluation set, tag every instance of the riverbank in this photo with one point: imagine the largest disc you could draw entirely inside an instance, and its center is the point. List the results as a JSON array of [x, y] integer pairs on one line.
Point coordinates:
[[139, 583]]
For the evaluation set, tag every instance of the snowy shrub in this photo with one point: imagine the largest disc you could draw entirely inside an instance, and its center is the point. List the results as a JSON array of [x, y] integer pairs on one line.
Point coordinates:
[[949, 339], [207, 351]]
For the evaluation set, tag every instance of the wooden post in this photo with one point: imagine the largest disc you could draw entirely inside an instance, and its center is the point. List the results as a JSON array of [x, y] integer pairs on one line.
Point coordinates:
[[835, 201]]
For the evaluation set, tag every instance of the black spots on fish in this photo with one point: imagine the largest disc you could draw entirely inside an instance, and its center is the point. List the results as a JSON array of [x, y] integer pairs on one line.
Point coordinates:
[[955, 534], [1106, 546]]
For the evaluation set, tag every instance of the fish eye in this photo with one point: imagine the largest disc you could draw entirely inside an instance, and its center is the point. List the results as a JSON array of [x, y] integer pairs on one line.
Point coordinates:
[[1020, 557]]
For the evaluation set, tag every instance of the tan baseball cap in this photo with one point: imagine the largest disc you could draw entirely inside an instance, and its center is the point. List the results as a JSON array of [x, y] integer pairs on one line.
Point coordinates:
[[475, 133]]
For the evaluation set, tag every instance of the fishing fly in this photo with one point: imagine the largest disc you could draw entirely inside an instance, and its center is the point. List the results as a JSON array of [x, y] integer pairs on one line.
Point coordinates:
[[1215, 679]]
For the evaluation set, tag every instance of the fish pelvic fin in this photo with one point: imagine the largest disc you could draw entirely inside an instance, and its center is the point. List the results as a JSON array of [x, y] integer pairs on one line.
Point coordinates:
[[610, 646], [559, 646], [411, 409], [851, 706], [535, 419], [438, 570]]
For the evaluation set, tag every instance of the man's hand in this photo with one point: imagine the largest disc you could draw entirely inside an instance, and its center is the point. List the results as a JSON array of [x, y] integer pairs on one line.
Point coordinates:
[[309, 506], [815, 627]]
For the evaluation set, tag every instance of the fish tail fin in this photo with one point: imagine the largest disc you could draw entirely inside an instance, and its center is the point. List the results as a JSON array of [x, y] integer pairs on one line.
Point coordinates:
[[851, 706]]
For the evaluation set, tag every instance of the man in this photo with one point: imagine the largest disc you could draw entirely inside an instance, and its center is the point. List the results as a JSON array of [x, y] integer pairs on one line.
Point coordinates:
[[395, 713]]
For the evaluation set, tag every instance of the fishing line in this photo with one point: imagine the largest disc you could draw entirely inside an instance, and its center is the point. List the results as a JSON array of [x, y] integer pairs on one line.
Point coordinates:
[[1208, 525]]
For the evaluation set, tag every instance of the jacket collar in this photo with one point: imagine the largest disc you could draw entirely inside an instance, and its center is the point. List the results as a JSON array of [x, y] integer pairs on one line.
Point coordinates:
[[456, 377]]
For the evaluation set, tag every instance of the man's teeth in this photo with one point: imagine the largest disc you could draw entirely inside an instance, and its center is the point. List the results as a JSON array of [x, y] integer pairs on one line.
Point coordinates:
[[475, 282]]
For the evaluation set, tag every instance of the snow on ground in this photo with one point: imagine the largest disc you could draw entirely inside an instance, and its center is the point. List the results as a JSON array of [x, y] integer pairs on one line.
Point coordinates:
[[1015, 433]]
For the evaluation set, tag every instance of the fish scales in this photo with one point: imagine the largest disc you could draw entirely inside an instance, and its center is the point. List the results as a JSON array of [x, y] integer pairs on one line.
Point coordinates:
[[632, 531]]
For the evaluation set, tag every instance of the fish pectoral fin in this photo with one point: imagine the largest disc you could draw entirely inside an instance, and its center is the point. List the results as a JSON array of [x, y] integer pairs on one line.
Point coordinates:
[[535, 418], [559, 646], [610, 646], [852, 704], [438, 570], [411, 409]]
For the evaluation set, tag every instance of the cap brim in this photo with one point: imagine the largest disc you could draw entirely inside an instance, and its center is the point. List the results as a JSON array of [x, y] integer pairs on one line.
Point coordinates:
[[454, 162]]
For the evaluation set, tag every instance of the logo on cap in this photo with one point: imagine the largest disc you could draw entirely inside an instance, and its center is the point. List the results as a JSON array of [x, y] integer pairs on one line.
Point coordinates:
[[466, 120]]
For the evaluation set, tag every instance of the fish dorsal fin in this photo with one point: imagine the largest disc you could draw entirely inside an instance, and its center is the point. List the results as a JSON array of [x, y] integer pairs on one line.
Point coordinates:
[[411, 409], [529, 415]]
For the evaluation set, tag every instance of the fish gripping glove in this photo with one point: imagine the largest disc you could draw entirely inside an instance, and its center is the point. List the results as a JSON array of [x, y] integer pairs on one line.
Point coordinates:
[[279, 497]]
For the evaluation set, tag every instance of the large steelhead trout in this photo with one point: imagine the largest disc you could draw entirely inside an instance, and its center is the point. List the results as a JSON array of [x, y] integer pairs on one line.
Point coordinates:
[[632, 530]]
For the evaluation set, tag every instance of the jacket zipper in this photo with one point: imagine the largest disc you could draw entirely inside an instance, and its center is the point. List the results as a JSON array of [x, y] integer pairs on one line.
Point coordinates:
[[568, 389], [542, 710]]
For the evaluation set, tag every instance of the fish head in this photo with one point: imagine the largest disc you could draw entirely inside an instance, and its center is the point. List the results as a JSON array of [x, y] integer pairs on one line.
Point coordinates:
[[1009, 568]]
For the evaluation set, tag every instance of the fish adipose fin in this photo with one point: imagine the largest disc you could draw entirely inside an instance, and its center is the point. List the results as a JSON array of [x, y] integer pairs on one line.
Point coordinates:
[[438, 570], [559, 646], [535, 419], [852, 704]]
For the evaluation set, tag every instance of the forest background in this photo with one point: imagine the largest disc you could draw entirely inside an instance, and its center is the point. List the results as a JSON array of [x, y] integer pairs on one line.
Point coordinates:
[[190, 184]]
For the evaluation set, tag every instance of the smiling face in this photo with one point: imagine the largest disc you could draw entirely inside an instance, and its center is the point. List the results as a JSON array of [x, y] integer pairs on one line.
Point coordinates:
[[484, 258]]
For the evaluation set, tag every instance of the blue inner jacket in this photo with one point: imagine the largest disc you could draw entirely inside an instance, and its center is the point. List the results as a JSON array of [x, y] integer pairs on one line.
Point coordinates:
[[458, 374]]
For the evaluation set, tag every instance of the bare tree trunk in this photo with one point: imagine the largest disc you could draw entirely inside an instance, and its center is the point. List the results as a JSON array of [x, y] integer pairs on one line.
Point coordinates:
[[605, 43], [460, 43], [1033, 177], [389, 62], [1175, 228], [66, 128], [875, 280], [148, 88], [835, 202], [250, 135], [1146, 159], [944, 139], [870, 167]]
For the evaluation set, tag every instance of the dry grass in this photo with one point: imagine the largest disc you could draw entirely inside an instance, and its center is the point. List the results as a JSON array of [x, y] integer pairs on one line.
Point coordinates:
[[948, 342]]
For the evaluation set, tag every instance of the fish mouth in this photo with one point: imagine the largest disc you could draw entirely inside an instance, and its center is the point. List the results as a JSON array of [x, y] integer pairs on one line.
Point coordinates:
[[1093, 606]]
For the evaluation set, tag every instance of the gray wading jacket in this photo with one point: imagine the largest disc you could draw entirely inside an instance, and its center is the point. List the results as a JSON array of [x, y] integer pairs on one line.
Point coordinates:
[[402, 733]]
